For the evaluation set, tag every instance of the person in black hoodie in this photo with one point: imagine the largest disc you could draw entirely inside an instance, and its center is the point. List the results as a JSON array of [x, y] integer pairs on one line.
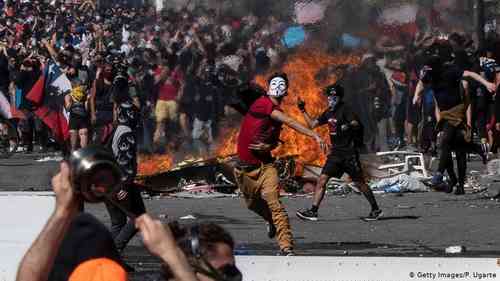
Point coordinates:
[[453, 114], [205, 110], [346, 134], [124, 148]]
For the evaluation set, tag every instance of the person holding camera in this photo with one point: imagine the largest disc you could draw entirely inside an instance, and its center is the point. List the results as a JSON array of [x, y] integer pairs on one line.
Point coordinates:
[[54, 255], [204, 251]]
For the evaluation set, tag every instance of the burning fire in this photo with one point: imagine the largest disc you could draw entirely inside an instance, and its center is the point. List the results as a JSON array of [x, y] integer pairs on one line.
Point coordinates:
[[154, 164], [301, 69], [228, 145]]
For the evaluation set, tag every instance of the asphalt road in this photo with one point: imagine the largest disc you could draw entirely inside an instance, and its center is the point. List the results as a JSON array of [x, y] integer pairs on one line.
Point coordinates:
[[421, 224], [418, 224]]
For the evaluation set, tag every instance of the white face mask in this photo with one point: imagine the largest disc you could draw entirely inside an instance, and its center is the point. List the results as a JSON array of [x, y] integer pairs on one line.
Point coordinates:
[[277, 87]]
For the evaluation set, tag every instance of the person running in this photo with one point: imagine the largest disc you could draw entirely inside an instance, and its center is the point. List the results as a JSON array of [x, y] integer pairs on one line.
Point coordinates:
[[445, 77], [346, 133], [255, 174]]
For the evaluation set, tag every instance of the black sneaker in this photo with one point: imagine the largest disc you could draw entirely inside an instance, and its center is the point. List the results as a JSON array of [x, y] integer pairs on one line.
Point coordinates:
[[460, 190], [309, 215], [374, 215], [271, 230], [286, 252]]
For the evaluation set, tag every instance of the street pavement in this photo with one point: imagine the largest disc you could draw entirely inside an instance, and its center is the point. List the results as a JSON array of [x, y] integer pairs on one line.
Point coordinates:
[[419, 224], [414, 224]]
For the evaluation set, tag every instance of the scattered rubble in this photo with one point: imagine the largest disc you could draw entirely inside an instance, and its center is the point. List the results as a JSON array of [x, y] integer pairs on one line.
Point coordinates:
[[188, 217], [455, 249], [399, 183], [50, 159], [404, 207]]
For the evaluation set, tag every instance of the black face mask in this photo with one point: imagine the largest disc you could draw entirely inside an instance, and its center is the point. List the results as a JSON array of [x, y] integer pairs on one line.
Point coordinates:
[[227, 273], [26, 71], [73, 74], [77, 63], [231, 273]]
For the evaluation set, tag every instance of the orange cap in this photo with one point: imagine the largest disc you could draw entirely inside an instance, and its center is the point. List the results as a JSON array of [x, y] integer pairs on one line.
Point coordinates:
[[99, 270]]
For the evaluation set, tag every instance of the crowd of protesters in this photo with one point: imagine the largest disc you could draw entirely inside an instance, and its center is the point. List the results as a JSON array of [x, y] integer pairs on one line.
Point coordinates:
[[180, 67], [183, 67], [149, 82]]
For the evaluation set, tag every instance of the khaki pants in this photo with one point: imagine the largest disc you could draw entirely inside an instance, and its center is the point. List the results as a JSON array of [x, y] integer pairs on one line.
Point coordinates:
[[260, 188], [166, 111]]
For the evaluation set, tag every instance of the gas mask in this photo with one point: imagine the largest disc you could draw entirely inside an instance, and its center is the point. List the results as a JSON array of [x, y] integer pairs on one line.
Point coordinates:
[[334, 94], [489, 67], [277, 87], [333, 101], [228, 272]]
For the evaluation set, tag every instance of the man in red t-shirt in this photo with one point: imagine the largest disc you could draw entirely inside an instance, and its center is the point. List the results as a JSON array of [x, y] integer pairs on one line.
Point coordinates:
[[169, 85], [256, 176]]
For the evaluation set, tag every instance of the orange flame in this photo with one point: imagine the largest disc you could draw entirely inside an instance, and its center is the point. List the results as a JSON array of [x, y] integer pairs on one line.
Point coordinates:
[[229, 144], [301, 69], [153, 164]]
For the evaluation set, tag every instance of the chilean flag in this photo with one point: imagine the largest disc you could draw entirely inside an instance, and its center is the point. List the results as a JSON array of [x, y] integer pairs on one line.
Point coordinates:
[[48, 97]]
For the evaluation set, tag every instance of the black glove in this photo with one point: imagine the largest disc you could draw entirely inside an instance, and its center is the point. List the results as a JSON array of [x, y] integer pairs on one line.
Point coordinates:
[[301, 105]]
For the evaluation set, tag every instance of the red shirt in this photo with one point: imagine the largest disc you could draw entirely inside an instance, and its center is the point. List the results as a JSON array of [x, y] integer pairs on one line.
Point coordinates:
[[10, 12], [258, 127], [168, 90]]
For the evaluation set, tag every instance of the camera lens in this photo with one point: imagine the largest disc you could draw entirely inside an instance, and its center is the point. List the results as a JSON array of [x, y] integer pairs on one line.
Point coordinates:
[[102, 182], [94, 173]]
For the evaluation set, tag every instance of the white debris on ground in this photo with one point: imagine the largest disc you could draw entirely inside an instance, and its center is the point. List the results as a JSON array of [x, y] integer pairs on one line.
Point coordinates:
[[188, 217], [399, 183], [202, 195], [50, 158]]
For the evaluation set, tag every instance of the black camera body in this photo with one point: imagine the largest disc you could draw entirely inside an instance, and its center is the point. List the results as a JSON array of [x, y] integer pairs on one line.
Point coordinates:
[[94, 173]]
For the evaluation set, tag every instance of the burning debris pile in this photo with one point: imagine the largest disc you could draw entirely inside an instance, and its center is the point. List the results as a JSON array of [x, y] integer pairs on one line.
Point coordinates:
[[302, 69], [308, 71], [153, 164]]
